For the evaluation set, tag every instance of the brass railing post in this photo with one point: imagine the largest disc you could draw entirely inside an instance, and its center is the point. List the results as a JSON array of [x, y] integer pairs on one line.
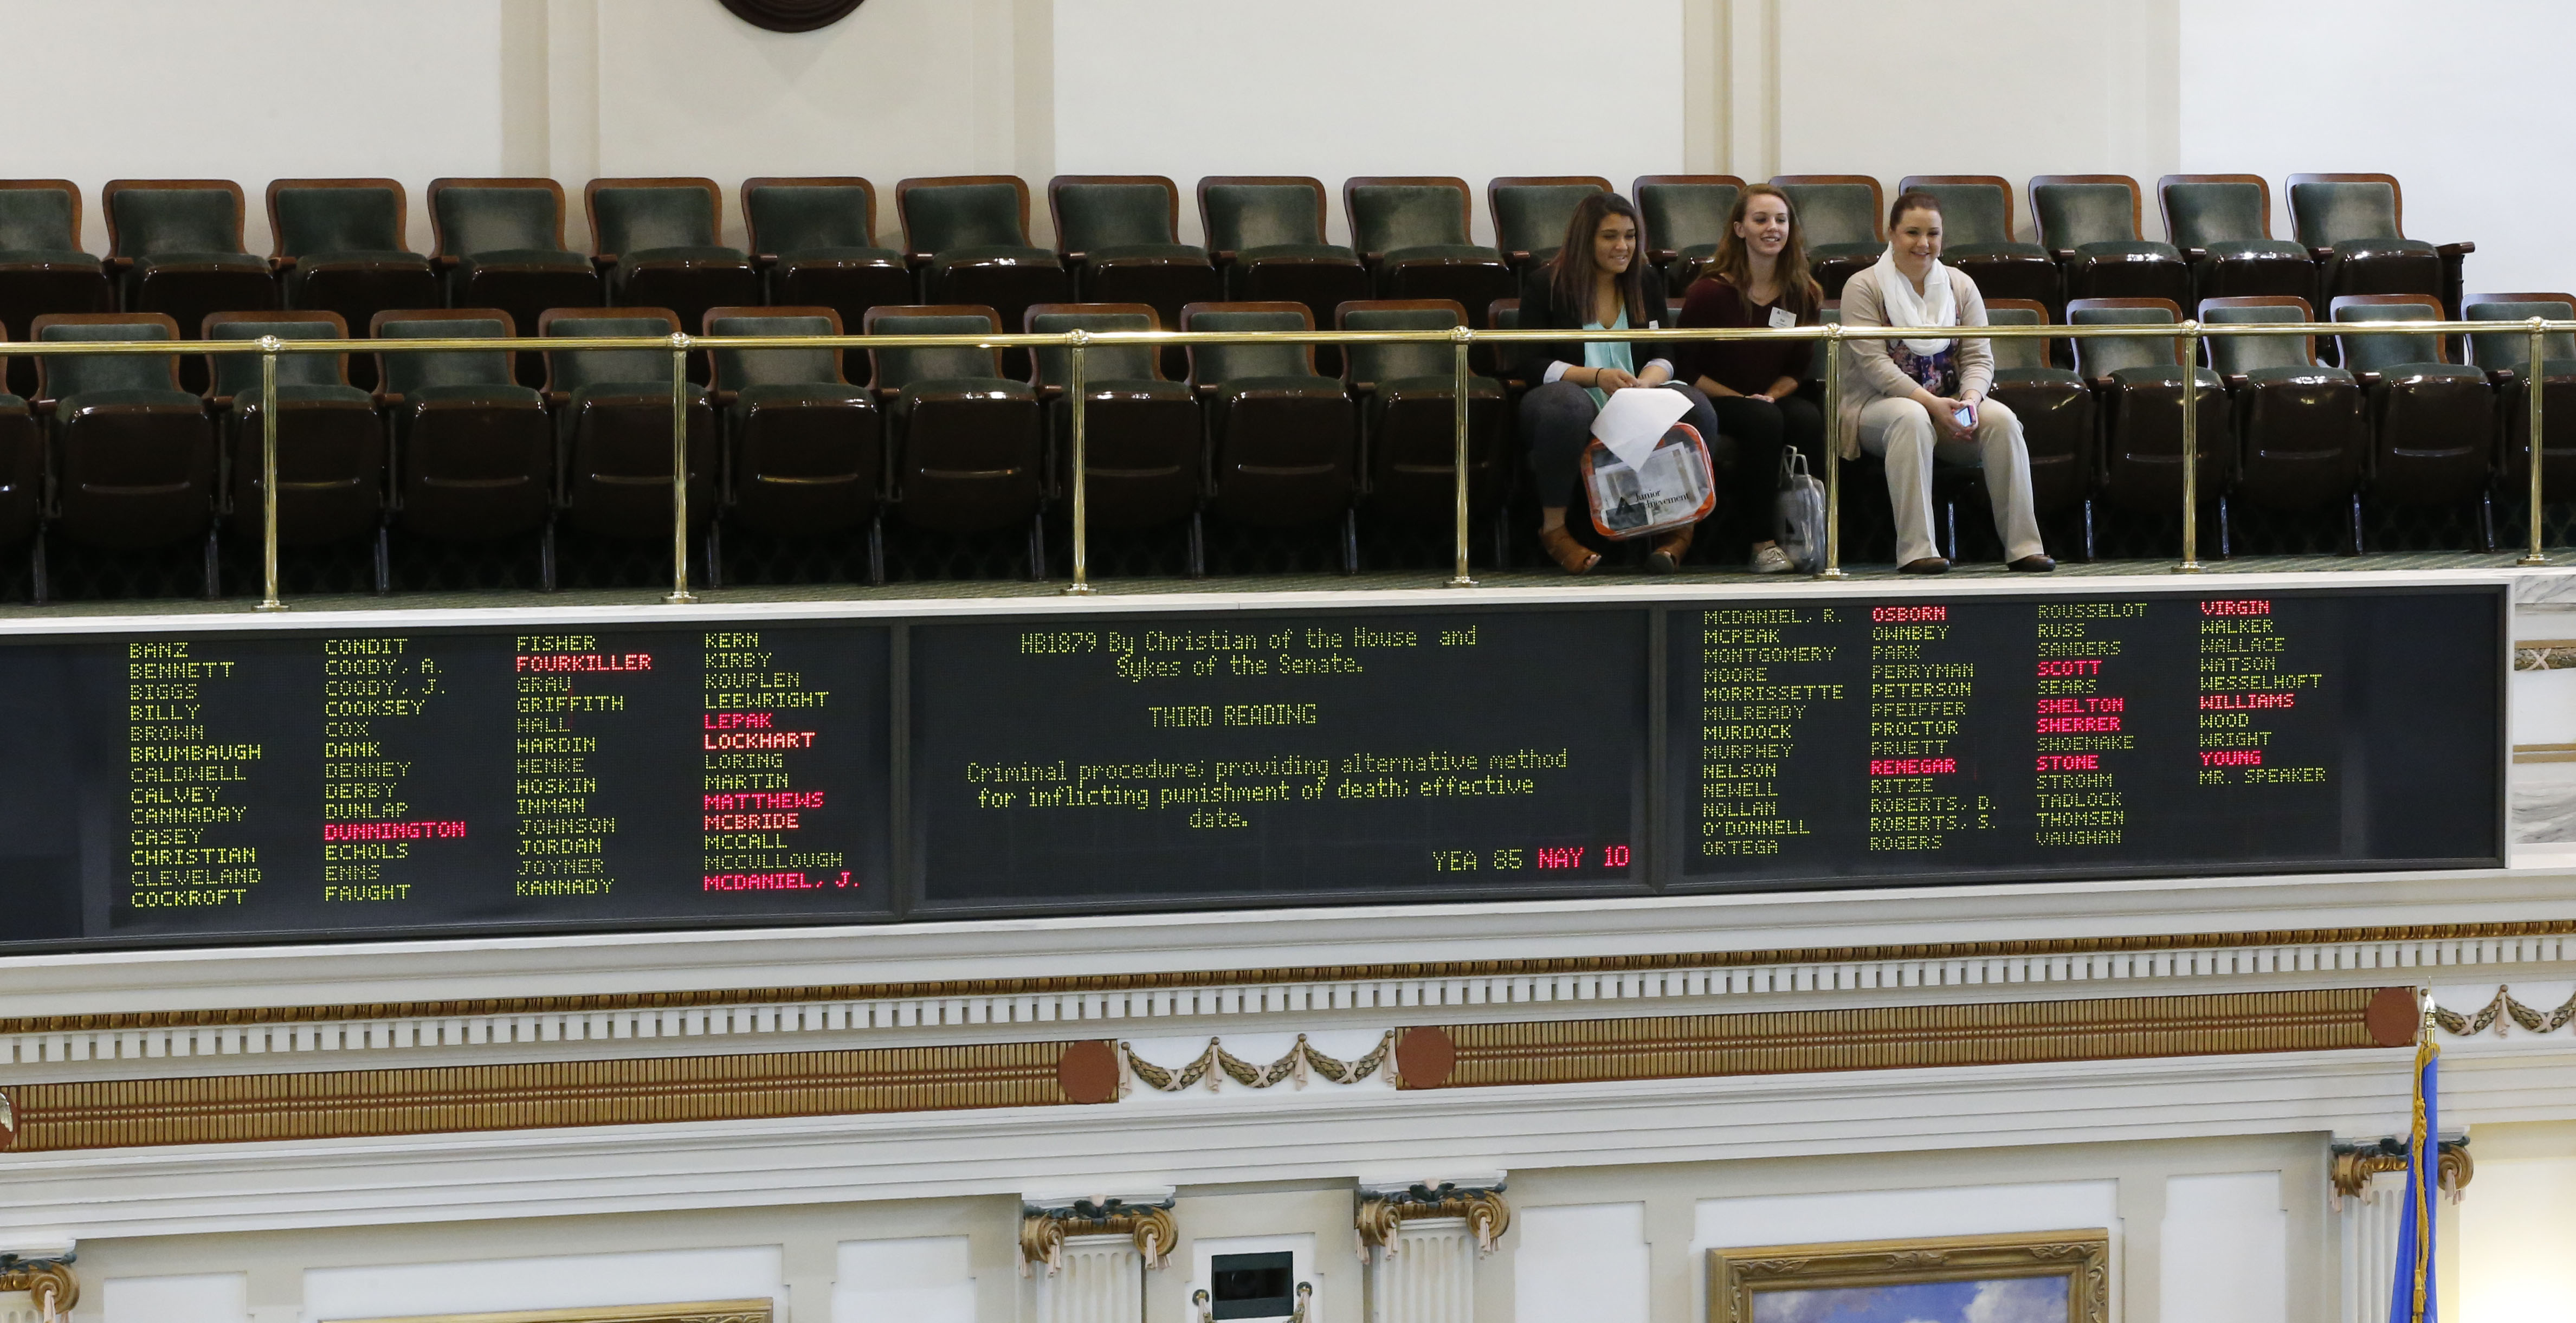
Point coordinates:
[[1459, 340], [2531, 387], [1833, 454], [1075, 390], [268, 600], [2190, 447], [680, 470]]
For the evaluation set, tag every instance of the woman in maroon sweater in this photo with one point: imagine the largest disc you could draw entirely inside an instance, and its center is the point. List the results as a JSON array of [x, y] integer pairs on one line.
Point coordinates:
[[1758, 278]]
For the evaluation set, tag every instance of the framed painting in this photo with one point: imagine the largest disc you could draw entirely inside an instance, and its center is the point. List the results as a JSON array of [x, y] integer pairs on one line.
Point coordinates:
[[695, 1311], [2042, 1277]]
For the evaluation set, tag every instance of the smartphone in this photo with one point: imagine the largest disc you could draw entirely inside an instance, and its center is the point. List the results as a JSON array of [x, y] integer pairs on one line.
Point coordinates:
[[1965, 417]]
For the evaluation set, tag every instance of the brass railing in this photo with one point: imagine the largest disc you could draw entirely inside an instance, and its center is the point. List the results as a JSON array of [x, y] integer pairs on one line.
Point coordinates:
[[2187, 335]]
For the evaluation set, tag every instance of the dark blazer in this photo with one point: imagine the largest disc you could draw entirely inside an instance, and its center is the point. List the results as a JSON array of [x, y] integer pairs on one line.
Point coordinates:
[[1539, 312]]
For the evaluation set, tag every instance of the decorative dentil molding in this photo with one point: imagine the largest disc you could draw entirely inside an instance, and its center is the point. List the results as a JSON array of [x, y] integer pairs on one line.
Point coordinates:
[[49, 1282], [1301, 1063], [1043, 1230], [1380, 1215], [517, 1026]]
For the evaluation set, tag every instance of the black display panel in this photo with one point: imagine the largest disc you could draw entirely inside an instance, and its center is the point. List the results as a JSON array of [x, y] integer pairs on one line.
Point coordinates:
[[228, 785], [249, 785], [1909, 739], [1253, 757]]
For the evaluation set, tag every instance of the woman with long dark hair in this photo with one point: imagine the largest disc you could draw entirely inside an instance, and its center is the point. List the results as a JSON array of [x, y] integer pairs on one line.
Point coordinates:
[[1759, 278], [1598, 281]]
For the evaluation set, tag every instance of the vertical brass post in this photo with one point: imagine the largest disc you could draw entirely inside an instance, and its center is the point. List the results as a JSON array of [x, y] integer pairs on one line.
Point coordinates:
[[2190, 447], [680, 470], [1075, 390], [1833, 454], [1461, 338], [2532, 450], [268, 601]]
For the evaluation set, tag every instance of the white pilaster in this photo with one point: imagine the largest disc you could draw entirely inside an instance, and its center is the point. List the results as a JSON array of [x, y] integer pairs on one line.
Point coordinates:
[[1430, 1277], [2368, 1226], [1102, 1281]]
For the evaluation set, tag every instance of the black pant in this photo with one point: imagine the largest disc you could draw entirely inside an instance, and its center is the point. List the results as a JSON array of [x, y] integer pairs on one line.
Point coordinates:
[[1760, 432], [1557, 419]]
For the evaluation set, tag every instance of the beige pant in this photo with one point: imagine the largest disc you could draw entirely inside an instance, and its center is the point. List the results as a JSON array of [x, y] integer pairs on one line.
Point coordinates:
[[1901, 431]]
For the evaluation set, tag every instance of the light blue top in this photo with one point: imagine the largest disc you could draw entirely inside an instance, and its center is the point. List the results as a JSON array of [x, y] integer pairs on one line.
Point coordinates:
[[1607, 354]]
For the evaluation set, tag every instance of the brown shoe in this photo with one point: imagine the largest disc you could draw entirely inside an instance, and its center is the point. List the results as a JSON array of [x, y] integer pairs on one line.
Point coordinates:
[[1669, 550], [1573, 555], [1927, 565]]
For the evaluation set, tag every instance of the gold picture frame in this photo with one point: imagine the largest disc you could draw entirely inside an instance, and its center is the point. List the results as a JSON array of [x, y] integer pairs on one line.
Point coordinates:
[[692, 1311], [2083, 1258]]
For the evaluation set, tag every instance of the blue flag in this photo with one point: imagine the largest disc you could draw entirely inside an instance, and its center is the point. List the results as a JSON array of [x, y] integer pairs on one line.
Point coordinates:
[[2412, 1299]]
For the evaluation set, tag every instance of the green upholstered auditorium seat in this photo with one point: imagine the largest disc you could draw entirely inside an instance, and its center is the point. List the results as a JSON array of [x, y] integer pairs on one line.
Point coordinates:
[[2056, 409], [1408, 395], [2301, 436], [659, 241], [1120, 236], [815, 242], [2353, 224], [804, 449], [1977, 237], [1142, 437], [2505, 356], [613, 426], [474, 452], [1415, 233], [42, 265], [2089, 223], [2138, 380], [969, 237], [330, 442], [2432, 421], [1283, 439], [1531, 212], [175, 246], [342, 245], [2223, 226], [500, 245], [1266, 234], [22, 483], [1685, 221], [968, 453], [133, 454], [1845, 218]]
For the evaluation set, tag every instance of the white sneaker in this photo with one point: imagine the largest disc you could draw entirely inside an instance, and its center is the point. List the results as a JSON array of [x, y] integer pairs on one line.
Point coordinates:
[[1770, 560]]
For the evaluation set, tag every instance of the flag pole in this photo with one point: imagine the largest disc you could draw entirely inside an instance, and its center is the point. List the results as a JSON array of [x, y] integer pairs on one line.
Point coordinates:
[[2427, 1171]]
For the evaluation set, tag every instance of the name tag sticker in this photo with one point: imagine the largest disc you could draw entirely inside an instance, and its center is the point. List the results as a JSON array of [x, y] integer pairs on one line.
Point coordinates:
[[1782, 319]]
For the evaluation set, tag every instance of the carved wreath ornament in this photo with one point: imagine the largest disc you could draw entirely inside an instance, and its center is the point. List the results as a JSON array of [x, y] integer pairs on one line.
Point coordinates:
[[1302, 1063]]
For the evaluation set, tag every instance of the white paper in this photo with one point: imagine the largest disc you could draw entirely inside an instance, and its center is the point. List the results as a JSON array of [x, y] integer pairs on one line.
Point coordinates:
[[1782, 319], [1636, 419]]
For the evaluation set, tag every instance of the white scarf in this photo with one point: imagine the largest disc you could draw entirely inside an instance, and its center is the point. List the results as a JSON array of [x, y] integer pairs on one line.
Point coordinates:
[[1933, 307]]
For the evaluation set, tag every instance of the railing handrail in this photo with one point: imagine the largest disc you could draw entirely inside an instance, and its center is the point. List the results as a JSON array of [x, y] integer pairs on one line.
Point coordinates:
[[1100, 339], [679, 344]]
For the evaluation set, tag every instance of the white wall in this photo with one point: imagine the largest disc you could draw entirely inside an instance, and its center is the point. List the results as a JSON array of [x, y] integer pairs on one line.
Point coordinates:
[[1336, 88], [252, 90], [2226, 1251], [220, 1297], [2515, 1224], [568, 1282], [2016, 88], [2478, 170], [1585, 1261], [925, 1280]]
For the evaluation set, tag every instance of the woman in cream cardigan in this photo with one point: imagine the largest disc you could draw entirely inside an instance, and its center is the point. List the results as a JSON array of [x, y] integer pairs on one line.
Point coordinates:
[[1912, 400]]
